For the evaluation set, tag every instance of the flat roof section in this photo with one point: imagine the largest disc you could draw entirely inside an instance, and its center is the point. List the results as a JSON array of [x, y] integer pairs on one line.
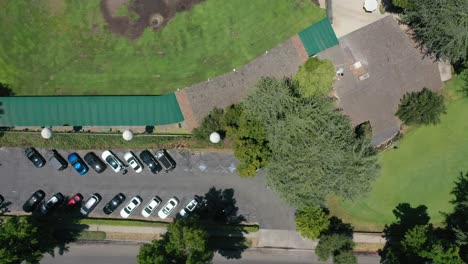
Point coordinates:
[[89, 110]]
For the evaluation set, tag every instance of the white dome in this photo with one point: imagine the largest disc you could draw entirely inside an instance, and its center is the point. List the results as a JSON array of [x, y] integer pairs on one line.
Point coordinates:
[[46, 133], [215, 137], [127, 135]]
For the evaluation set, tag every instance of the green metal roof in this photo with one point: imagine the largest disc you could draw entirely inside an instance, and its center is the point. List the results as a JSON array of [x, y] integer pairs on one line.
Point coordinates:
[[89, 110], [320, 36]]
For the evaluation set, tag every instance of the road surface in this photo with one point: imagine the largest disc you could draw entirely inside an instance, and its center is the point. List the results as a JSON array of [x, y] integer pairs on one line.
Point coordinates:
[[126, 254]]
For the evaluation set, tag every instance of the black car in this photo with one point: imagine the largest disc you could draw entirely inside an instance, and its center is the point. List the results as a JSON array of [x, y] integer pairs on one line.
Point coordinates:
[[35, 157], [54, 202], [95, 162], [1, 200], [56, 160], [166, 160], [114, 203], [33, 201], [151, 162]]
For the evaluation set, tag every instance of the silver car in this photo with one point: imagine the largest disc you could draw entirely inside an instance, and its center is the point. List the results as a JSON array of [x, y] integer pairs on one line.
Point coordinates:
[[168, 208]]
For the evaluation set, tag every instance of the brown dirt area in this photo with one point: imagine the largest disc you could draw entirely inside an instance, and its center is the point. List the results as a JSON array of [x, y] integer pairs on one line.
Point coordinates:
[[145, 13]]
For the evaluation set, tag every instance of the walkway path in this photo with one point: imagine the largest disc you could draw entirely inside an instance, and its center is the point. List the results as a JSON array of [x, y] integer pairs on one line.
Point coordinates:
[[264, 238]]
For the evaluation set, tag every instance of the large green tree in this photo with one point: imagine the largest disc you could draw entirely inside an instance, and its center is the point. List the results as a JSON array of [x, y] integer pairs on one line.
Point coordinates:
[[440, 27], [314, 150], [315, 77], [248, 140], [421, 108], [337, 246], [185, 241]]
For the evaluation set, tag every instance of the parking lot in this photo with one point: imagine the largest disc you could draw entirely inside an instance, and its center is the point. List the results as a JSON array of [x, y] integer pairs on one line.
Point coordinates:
[[195, 174]]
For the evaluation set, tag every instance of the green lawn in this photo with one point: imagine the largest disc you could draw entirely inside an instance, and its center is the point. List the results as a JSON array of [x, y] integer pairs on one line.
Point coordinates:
[[420, 172], [61, 47]]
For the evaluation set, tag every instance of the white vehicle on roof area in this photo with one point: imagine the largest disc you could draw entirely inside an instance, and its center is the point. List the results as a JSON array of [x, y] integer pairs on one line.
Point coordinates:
[[131, 206], [133, 161], [168, 208], [151, 206]]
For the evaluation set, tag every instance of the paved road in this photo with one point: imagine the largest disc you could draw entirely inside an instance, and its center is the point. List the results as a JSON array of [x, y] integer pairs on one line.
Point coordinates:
[[126, 254], [19, 178]]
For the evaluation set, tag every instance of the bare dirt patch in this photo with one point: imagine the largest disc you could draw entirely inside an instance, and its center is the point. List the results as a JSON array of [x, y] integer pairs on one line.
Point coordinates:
[[130, 18]]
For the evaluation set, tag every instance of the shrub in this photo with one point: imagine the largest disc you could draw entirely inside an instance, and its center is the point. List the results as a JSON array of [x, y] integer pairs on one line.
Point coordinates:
[[311, 221], [423, 107], [211, 123], [315, 77]]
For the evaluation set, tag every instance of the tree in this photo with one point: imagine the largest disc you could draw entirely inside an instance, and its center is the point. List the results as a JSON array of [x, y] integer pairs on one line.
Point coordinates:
[[315, 77], [401, 3], [211, 123], [185, 241], [248, 140], [464, 81], [423, 107], [314, 150], [311, 221], [337, 246], [440, 27]]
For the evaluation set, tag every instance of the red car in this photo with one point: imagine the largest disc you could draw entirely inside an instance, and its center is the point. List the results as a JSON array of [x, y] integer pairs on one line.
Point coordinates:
[[75, 199]]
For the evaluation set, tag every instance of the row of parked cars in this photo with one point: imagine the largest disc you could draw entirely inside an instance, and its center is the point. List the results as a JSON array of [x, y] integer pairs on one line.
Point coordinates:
[[157, 163], [37, 203]]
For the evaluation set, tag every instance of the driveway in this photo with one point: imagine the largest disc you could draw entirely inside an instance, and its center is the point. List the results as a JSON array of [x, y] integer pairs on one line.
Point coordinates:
[[349, 15], [195, 174]]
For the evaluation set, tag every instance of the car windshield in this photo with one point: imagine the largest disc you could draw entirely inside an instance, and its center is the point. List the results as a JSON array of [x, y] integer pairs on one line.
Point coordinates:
[[112, 162], [166, 210], [135, 202], [191, 205]]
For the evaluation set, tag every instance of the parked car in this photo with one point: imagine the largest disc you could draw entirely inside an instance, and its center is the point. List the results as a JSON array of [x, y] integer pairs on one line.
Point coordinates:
[[33, 201], [75, 199], [56, 160], [114, 162], [55, 201], [77, 163], [133, 161], [114, 203], [151, 162], [1, 200], [151, 206], [190, 207], [90, 204], [168, 208], [131, 206], [166, 161], [95, 162], [35, 157]]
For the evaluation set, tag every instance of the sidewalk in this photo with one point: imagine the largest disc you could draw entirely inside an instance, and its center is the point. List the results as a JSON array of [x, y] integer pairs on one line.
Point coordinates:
[[264, 238]]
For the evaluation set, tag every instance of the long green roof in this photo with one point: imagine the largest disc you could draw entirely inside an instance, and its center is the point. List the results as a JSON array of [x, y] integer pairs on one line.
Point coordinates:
[[320, 36], [89, 110]]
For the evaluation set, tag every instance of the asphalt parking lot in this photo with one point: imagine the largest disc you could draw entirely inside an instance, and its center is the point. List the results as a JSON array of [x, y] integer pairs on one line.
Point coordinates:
[[195, 174]]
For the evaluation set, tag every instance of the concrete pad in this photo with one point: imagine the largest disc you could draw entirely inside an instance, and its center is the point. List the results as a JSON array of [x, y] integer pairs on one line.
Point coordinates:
[[349, 15], [284, 239], [445, 70]]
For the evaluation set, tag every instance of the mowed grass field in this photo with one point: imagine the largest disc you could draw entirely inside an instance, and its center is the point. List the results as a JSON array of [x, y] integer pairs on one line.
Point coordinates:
[[421, 171], [62, 47]]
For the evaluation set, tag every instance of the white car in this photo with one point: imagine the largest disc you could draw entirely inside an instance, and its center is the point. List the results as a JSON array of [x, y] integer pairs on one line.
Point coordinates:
[[151, 206], [168, 207], [113, 161], [131, 206], [190, 207], [131, 159]]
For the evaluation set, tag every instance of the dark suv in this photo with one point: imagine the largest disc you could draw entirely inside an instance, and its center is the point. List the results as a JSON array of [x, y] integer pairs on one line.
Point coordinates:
[[56, 160], [114, 203], [166, 160], [95, 162], [150, 161], [54, 202], [33, 201], [35, 157]]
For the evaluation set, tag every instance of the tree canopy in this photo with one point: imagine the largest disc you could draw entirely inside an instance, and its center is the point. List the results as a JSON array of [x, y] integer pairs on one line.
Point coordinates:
[[314, 150], [421, 108], [440, 27], [315, 77], [211, 123], [185, 241], [248, 140]]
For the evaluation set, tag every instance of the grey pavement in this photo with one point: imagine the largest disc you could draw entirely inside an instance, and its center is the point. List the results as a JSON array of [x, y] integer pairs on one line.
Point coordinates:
[[195, 174], [126, 254]]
